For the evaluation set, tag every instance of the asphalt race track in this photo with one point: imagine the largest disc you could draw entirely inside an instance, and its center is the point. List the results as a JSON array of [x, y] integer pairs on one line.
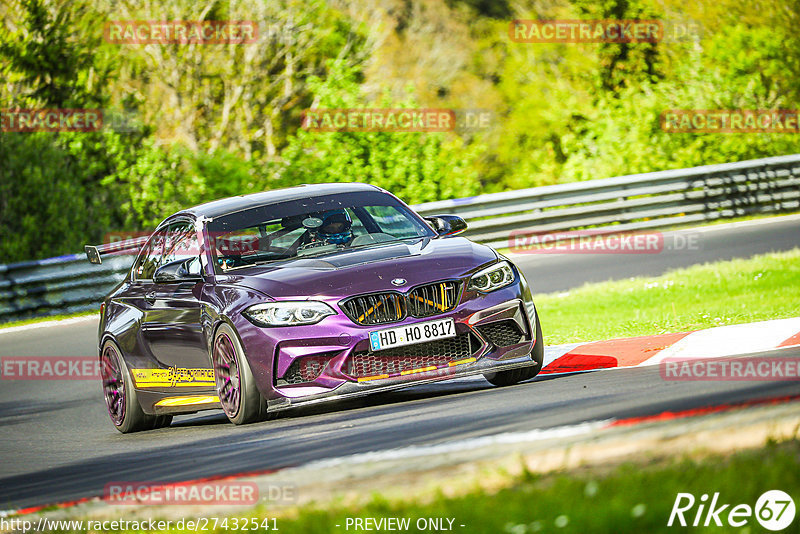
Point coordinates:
[[548, 273], [57, 443]]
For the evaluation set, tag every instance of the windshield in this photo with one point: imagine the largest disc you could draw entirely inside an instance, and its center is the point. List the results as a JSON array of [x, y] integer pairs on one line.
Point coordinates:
[[314, 226]]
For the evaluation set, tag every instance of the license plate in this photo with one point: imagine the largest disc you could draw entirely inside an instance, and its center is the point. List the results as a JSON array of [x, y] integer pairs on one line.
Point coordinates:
[[410, 334]]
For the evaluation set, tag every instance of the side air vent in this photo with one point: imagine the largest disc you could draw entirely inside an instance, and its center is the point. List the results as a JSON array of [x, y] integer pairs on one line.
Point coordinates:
[[502, 333]]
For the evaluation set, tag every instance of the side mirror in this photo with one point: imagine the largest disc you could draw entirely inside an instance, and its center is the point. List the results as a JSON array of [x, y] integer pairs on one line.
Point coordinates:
[[447, 224], [177, 271]]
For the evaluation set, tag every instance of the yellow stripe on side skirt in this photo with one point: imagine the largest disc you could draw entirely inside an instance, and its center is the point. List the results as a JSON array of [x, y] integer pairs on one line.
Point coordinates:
[[420, 370], [376, 377], [188, 401]]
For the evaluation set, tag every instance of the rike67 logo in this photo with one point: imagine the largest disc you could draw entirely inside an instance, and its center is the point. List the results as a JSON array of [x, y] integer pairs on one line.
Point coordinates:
[[774, 510]]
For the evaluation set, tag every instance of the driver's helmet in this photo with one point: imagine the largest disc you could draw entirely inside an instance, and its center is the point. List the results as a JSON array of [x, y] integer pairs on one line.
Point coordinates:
[[335, 227]]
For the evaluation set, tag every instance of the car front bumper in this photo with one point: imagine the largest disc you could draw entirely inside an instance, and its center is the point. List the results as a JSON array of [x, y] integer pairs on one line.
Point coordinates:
[[335, 340], [349, 390]]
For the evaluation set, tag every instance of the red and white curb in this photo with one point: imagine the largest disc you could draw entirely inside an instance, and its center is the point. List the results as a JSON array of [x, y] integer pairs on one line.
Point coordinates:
[[718, 342]]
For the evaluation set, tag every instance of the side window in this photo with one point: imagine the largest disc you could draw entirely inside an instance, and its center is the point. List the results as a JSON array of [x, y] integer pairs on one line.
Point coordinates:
[[150, 257], [181, 242], [393, 222], [358, 227]]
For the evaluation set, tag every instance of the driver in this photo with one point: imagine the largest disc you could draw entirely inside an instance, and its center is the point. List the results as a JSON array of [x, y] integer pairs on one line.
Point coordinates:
[[335, 228]]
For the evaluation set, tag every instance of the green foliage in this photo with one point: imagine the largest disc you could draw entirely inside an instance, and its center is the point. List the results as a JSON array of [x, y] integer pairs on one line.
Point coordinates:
[[622, 64], [51, 56], [418, 167], [48, 207], [154, 181], [220, 120], [567, 123], [625, 135]]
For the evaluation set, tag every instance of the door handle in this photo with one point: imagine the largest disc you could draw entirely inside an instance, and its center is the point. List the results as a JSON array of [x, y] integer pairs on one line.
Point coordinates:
[[150, 297]]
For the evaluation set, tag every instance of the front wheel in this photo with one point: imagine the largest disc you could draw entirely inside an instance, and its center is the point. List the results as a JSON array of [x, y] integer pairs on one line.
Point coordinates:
[[123, 405], [520, 374], [236, 387]]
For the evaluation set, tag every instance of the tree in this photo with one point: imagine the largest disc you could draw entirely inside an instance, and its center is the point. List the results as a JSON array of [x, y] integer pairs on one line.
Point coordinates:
[[418, 167]]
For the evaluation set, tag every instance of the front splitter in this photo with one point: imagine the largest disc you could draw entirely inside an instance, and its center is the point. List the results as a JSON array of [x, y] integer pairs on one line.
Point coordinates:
[[349, 390]]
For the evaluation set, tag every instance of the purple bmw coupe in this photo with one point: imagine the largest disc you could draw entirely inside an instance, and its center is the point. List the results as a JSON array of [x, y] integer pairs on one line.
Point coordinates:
[[259, 303]]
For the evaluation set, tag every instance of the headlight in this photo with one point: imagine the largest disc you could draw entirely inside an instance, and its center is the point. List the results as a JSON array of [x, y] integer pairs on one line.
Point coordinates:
[[493, 277], [288, 313]]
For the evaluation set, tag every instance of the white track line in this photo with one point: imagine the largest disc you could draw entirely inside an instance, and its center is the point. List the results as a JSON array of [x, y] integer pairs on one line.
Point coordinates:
[[730, 340], [738, 224], [48, 324], [417, 451]]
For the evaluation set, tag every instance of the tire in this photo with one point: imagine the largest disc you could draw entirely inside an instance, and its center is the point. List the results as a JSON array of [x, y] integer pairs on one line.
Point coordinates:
[[121, 400], [236, 387], [520, 374]]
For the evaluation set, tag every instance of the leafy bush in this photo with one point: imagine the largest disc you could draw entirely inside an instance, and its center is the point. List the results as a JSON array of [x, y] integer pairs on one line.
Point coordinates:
[[418, 167], [48, 200]]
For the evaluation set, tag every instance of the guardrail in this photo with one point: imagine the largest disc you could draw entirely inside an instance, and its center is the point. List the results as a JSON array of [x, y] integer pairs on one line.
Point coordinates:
[[661, 199], [66, 284], [635, 202]]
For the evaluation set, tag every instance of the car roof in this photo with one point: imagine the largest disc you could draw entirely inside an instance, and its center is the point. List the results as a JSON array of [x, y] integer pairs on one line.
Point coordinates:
[[225, 206]]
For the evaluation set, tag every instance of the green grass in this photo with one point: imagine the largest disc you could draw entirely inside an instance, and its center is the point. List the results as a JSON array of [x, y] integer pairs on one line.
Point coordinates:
[[633, 497], [703, 296]]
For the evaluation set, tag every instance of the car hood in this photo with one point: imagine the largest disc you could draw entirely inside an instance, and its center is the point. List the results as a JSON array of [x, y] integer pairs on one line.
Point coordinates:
[[365, 270]]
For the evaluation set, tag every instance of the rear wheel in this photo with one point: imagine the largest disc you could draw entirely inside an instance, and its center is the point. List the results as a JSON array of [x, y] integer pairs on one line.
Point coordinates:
[[520, 374], [236, 386], [123, 405]]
